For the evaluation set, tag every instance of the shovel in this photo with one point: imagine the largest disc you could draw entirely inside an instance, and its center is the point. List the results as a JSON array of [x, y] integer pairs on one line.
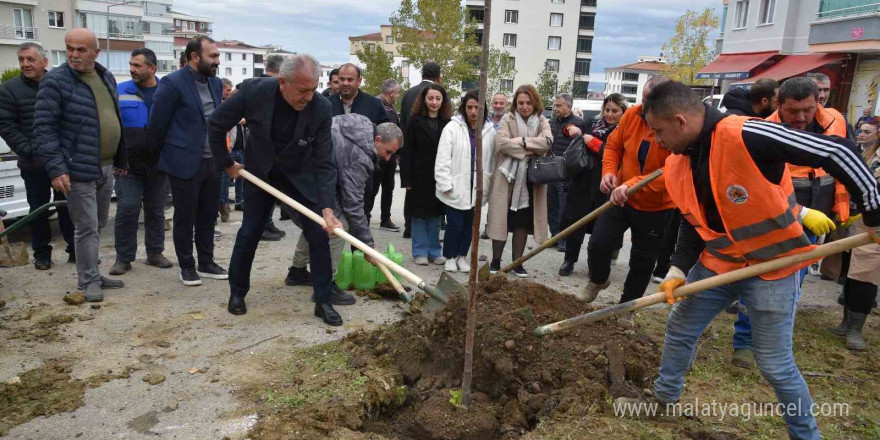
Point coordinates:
[[484, 270], [16, 254], [437, 297], [709, 283]]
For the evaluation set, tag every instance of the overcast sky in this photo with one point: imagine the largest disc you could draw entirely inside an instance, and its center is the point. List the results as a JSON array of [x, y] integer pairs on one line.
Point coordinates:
[[625, 29]]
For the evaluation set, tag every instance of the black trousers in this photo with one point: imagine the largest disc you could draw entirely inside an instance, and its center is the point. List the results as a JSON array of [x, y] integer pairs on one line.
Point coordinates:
[[859, 296], [647, 228], [383, 178], [38, 189], [196, 206], [257, 209], [670, 237]]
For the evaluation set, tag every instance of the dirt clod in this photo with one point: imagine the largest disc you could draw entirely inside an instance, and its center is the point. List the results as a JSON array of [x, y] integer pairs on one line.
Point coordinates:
[[154, 378], [75, 298]]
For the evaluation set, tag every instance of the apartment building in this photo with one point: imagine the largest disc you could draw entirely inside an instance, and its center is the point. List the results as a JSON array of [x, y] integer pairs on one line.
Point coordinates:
[[539, 33], [629, 80], [384, 39], [44, 22]]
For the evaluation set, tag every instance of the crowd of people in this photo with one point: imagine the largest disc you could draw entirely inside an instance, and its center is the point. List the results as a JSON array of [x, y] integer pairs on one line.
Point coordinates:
[[766, 179]]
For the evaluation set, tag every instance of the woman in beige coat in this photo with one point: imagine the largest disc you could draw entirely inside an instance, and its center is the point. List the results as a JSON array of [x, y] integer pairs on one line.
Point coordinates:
[[515, 205], [860, 288]]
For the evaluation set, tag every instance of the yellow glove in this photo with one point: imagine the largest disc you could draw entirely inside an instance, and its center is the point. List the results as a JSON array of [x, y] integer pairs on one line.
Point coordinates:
[[817, 222], [675, 278], [852, 219]]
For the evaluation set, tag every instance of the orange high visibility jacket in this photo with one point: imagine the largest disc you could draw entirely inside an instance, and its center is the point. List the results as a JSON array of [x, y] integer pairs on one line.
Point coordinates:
[[622, 158], [760, 218], [833, 124]]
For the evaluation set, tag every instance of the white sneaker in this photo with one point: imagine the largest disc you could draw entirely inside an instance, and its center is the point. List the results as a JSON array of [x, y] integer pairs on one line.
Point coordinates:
[[814, 270], [421, 261], [438, 261], [463, 265], [450, 265]]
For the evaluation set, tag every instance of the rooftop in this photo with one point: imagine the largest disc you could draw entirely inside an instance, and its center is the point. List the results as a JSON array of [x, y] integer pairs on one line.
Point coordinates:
[[644, 65]]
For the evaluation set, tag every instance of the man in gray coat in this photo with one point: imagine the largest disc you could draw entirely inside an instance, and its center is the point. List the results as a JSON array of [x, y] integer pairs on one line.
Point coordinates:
[[358, 147]]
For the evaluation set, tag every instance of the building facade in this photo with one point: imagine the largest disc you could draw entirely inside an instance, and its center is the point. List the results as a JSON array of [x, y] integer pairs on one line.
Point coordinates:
[[629, 80], [384, 39]]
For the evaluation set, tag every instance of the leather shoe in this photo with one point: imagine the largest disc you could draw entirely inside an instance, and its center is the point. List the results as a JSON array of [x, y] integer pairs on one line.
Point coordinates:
[[328, 314], [566, 268], [236, 305]]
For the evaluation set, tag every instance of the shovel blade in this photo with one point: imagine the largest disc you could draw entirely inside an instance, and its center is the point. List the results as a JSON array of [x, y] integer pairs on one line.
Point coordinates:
[[437, 299]]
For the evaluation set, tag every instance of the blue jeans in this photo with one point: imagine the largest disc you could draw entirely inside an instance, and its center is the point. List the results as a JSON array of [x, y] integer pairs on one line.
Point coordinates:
[[238, 156], [772, 306], [132, 192], [742, 328], [426, 237], [459, 225]]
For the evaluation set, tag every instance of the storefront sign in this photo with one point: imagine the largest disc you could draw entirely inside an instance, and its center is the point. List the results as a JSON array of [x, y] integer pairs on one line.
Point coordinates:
[[857, 33]]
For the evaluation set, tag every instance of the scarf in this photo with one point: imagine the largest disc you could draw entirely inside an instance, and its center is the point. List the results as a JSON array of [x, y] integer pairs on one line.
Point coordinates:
[[601, 129], [516, 170]]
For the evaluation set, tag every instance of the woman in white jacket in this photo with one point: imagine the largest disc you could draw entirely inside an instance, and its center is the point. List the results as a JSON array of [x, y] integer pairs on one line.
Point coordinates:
[[455, 173]]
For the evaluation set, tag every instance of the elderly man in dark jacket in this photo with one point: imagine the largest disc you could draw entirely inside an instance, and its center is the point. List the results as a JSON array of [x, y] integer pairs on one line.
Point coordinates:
[[358, 148], [78, 130], [557, 192], [17, 98]]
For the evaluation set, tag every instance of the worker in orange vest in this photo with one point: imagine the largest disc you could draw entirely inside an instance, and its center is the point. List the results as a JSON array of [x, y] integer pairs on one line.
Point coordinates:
[[728, 176], [813, 187], [630, 153]]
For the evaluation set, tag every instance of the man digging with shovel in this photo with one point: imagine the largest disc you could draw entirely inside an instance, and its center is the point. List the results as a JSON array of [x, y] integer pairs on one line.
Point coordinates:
[[728, 176]]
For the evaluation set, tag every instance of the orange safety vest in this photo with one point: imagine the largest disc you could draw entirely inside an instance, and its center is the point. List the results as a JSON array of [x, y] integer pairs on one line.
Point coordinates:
[[833, 124], [760, 218]]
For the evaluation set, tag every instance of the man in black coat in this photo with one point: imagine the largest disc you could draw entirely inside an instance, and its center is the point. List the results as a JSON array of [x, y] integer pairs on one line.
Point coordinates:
[[557, 192], [759, 101], [289, 147], [17, 98], [333, 85]]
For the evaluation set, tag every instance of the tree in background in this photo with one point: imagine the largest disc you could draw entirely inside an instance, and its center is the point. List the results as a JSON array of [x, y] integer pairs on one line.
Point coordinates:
[[500, 67], [9, 74], [379, 66], [439, 31], [547, 85], [689, 49]]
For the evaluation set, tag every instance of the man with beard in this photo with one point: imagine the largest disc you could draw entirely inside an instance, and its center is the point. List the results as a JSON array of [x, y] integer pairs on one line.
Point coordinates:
[[182, 105], [823, 83], [758, 102], [143, 184], [351, 99], [333, 85], [499, 106]]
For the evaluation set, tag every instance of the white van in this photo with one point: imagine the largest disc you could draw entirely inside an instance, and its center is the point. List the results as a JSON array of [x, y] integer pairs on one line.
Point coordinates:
[[13, 198]]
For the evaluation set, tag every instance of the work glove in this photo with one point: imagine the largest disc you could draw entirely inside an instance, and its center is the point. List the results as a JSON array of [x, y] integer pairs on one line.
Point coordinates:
[[817, 222], [675, 278], [852, 219]]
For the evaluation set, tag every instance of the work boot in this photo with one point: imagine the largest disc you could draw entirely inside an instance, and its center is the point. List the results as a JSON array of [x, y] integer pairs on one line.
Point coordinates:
[[224, 212], [744, 358], [120, 267], [840, 330], [566, 268], [274, 229], [338, 297], [270, 236], [592, 290], [328, 314], [298, 276], [854, 323], [159, 261], [42, 263], [93, 293]]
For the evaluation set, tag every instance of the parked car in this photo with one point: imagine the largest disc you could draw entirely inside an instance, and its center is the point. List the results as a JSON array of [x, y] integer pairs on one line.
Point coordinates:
[[13, 198], [715, 101]]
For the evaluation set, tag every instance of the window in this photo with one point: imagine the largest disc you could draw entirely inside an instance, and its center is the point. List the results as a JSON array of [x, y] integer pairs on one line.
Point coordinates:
[[24, 24], [631, 100], [56, 19], [115, 60], [742, 14], [258, 58], [585, 44], [580, 88], [554, 43], [588, 20], [588, 2], [507, 85], [509, 40], [258, 72], [552, 65], [157, 9], [244, 57], [229, 71], [59, 57], [389, 39], [228, 56], [510, 63], [630, 76], [160, 47], [723, 20], [582, 66], [555, 20], [404, 64], [476, 14], [177, 23], [190, 26], [244, 70], [511, 16], [629, 90], [557, 1], [372, 46], [202, 26], [765, 13]]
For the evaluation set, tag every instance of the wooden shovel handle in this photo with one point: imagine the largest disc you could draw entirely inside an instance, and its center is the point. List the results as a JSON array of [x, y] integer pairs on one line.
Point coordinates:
[[397, 287], [709, 283]]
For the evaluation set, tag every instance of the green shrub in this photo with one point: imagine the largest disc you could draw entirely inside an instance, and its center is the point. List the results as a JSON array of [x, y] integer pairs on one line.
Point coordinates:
[[9, 74]]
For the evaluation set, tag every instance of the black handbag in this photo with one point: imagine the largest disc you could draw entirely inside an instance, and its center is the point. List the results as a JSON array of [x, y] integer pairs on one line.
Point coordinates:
[[548, 168], [577, 159]]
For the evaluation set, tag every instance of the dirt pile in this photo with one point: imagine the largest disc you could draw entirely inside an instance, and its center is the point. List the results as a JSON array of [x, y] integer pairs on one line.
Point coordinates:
[[39, 392], [519, 378]]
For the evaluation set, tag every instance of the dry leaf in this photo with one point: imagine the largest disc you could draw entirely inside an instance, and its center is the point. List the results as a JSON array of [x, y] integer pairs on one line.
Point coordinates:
[[197, 316], [193, 370]]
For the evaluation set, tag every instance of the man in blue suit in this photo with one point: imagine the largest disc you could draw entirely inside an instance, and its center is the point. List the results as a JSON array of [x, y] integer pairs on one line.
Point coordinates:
[[182, 105]]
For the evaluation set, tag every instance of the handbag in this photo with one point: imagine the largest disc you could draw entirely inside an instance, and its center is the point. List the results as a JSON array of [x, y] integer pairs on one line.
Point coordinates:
[[546, 169], [577, 159]]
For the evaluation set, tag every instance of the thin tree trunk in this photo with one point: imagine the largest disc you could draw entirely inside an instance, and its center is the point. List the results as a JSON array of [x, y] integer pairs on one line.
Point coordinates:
[[468, 374]]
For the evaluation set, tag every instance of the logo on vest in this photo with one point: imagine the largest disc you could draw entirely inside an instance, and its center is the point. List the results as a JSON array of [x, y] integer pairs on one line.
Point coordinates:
[[737, 194]]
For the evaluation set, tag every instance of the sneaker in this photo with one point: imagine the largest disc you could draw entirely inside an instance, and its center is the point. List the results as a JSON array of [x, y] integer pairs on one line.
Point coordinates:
[[438, 261], [339, 297], [274, 229], [421, 261], [120, 267], [591, 291], [224, 212], [494, 267], [43, 263], [270, 236], [298, 276], [388, 225], [190, 277], [520, 272], [484, 235], [212, 270], [407, 233], [451, 265], [93, 293], [107, 283], [814, 270], [463, 265], [656, 280], [159, 261], [217, 234]]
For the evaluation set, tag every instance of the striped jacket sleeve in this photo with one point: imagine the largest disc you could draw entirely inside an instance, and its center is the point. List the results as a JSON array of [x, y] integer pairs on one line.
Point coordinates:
[[769, 143]]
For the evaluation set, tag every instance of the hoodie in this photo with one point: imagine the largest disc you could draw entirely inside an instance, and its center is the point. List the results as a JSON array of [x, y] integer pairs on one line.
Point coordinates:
[[356, 158], [737, 102]]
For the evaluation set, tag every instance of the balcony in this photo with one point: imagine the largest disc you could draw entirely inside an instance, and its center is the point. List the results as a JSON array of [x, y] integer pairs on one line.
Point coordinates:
[[846, 26], [833, 9], [11, 32]]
